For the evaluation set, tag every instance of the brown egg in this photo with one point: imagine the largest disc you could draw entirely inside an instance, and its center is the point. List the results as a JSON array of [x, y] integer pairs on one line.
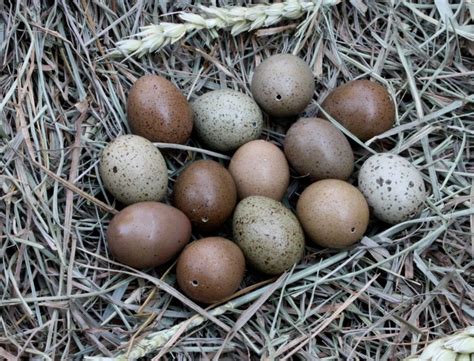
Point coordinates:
[[206, 193], [158, 111], [210, 269], [362, 106], [283, 85], [148, 234], [259, 168], [316, 148], [333, 213]]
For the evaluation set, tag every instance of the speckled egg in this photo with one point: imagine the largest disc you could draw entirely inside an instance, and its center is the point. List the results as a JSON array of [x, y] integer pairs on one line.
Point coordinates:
[[268, 233], [259, 168], [393, 187], [283, 85], [333, 213], [133, 170], [158, 111], [148, 234], [205, 191], [210, 269], [316, 148], [225, 119], [363, 107]]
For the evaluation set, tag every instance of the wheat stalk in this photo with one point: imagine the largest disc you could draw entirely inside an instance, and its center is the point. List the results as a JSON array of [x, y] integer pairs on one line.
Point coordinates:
[[457, 347], [237, 19]]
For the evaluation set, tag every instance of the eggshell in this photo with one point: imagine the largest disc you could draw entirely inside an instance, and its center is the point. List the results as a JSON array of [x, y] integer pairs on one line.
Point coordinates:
[[363, 107], [260, 168], [268, 233], [225, 119], [210, 269], [206, 193], [283, 85], [316, 148], [394, 188], [148, 234], [158, 111], [133, 170], [333, 213]]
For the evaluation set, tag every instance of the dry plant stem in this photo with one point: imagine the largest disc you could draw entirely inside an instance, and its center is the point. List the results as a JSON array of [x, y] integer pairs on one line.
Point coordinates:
[[61, 294], [305, 339], [191, 149], [237, 19], [457, 347], [158, 339]]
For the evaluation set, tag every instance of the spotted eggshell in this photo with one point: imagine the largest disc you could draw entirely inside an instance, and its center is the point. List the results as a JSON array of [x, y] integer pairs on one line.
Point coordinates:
[[225, 119], [158, 111], [133, 170], [393, 187], [268, 233]]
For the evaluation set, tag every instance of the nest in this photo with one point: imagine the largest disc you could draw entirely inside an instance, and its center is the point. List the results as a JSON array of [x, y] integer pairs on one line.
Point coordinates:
[[63, 99]]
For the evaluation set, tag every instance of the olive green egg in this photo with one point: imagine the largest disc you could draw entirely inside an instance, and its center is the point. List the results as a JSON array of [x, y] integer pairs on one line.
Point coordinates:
[[268, 233]]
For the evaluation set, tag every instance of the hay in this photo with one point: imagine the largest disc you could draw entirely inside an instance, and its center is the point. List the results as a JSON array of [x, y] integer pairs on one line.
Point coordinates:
[[62, 100]]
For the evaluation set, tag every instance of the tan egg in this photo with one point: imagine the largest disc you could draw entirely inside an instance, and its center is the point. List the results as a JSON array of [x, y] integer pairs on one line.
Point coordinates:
[[206, 193], [148, 234], [268, 233], [133, 170], [316, 148], [363, 107], [210, 269], [158, 111], [260, 168], [333, 213], [283, 85]]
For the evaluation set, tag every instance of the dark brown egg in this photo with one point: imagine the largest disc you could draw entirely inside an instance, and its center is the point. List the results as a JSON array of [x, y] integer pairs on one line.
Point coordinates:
[[158, 111], [206, 193], [148, 234], [333, 213], [210, 269], [283, 85], [316, 148], [362, 106]]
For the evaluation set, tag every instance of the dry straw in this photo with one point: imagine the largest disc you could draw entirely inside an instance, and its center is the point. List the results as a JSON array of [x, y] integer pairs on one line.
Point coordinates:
[[457, 347], [398, 290]]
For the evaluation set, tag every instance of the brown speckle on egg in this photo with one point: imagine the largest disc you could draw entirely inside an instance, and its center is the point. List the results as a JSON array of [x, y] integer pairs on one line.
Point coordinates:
[[133, 170], [400, 196], [225, 119], [268, 233], [158, 111]]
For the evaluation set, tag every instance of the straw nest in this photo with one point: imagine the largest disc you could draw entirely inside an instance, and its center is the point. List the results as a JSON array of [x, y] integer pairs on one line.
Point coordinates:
[[62, 100]]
